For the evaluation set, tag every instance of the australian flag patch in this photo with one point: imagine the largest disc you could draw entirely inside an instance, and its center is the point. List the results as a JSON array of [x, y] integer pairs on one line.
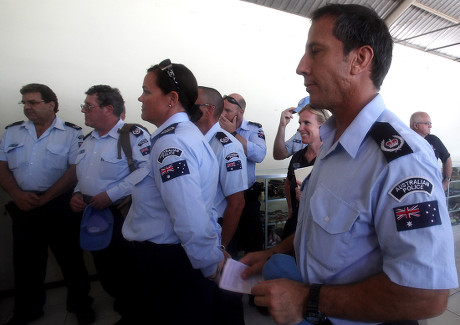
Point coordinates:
[[174, 170], [415, 216], [234, 165]]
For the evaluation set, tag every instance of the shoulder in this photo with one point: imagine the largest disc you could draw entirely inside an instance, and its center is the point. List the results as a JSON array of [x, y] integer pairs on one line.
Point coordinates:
[[14, 124], [71, 125], [255, 125], [390, 142], [431, 138], [223, 138], [134, 129], [170, 129]]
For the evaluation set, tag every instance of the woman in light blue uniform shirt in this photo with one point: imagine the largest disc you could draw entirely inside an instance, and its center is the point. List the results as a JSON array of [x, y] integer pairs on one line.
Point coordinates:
[[171, 221]]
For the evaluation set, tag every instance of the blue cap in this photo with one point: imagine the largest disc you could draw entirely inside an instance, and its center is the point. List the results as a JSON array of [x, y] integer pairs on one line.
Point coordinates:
[[281, 266], [96, 228], [302, 103]]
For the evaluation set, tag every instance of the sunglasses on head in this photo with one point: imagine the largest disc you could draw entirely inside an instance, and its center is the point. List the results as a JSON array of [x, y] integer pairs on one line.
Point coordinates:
[[232, 100], [166, 66]]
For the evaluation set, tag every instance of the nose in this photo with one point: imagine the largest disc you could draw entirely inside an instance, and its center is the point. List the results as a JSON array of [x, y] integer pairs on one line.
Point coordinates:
[[140, 98], [303, 67]]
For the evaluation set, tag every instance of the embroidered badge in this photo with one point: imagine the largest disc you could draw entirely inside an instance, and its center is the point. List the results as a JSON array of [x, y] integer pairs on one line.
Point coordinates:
[[169, 152], [421, 215], [224, 140], [176, 169], [393, 144], [142, 142], [297, 141], [234, 165], [136, 131], [145, 151], [261, 134], [410, 185], [169, 130], [232, 155]]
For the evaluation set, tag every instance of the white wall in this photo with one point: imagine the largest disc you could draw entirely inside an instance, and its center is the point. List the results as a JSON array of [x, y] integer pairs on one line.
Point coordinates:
[[230, 45]]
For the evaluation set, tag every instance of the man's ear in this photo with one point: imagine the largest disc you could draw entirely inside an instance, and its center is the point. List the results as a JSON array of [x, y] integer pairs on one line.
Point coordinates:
[[362, 59]]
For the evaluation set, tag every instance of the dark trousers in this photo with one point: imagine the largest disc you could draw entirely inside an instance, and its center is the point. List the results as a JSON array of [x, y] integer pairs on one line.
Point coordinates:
[[52, 225], [170, 290], [115, 266], [250, 232], [228, 308]]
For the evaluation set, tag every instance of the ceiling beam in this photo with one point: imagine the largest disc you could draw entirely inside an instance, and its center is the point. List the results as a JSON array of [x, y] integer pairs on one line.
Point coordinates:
[[398, 11]]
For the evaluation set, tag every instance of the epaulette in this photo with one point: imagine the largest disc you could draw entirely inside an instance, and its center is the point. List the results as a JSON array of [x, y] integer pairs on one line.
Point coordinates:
[[87, 135], [76, 127], [256, 124], [223, 138], [136, 131], [391, 143], [169, 130], [13, 124]]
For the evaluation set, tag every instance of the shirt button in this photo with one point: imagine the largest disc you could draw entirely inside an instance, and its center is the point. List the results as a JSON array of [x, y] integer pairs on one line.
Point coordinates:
[[327, 219]]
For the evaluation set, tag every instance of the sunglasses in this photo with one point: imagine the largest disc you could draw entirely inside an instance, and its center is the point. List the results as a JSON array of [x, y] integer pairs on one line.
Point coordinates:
[[166, 66], [231, 100]]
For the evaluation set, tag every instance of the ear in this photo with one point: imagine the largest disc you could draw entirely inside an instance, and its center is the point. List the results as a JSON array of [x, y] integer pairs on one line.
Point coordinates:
[[173, 98], [109, 109], [362, 59]]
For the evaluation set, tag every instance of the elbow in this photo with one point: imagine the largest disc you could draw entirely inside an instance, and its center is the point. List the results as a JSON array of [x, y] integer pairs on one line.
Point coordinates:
[[434, 306]]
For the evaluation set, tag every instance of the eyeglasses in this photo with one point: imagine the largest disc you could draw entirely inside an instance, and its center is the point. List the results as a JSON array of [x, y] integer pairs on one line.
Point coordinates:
[[166, 66], [426, 123], [87, 108], [232, 100], [209, 105], [31, 102]]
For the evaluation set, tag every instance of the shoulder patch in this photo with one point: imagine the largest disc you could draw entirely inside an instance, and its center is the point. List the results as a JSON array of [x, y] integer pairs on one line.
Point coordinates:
[[391, 143], [13, 124], [415, 216], [232, 155], [255, 123], [234, 165], [176, 169], [76, 127], [169, 152], [169, 130], [136, 131], [410, 185], [223, 139]]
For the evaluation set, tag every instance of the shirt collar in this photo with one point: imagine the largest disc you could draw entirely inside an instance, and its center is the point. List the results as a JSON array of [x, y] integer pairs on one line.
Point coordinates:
[[176, 118], [213, 130], [112, 133], [244, 125], [57, 123], [355, 133]]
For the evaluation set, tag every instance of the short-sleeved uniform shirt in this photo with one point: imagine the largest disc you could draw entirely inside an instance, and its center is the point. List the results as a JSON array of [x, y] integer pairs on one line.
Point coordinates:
[[374, 203], [37, 163], [256, 148], [294, 144], [174, 203], [233, 175], [100, 170]]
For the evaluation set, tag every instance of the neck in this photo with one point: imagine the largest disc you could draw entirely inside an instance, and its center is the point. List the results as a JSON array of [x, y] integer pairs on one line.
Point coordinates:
[[42, 126], [106, 128]]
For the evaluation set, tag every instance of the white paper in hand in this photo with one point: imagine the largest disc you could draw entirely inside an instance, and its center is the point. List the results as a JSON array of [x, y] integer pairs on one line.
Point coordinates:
[[231, 278], [302, 173]]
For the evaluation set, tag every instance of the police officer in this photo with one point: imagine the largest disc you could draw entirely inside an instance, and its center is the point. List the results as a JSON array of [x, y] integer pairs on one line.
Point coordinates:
[[37, 169], [172, 222], [104, 180], [374, 240], [252, 137], [229, 201]]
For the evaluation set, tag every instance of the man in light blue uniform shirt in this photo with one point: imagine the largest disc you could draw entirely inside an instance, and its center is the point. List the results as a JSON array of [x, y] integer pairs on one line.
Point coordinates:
[[37, 169], [229, 200], [284, 149], [252, 137], [374, 241], [104, 180]]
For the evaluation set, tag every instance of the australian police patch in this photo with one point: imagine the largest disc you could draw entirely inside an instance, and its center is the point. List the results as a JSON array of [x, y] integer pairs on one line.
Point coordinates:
[[410, 185], [176, 169], [231, 156], [418, 215], [169, 152]]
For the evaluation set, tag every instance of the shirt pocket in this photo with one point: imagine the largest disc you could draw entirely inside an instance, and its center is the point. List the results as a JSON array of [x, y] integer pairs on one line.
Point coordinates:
[[16, 155], [333, 221], [111, 167], [56, 156]]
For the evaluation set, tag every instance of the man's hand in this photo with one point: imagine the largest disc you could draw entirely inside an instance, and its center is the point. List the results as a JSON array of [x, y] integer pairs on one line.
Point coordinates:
[[286, 116], [255, 261], [100, 201], [220, 267], [227, 125], [445, 184], [76, 203], [26, 201], [285, 299]]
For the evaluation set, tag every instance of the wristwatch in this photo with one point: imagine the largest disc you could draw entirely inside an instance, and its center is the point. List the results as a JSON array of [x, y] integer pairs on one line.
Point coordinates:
[[447, 179], [234, 133], [312, 314]]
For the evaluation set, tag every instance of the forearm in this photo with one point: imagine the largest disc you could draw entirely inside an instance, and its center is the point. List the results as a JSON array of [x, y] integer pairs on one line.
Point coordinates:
[[447, 168], [279, 148], [285, 247], [377, 299], [231, 218], [7, 181], [243, 142]]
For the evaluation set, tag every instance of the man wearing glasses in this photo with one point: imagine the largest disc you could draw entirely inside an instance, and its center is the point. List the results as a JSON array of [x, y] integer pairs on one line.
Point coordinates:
[[252, 137], [420, 122], [37, 169], [104, 180]]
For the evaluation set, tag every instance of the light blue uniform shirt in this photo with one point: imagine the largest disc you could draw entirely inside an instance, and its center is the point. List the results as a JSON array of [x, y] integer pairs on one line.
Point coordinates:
[[294, 144], [255, 148], [174, 203], [233, 175], [37, 164], [357, 211], [100, 170]]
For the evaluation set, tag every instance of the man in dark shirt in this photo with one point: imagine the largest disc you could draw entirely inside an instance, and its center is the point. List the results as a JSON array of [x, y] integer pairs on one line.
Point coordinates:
[[420, 122]]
